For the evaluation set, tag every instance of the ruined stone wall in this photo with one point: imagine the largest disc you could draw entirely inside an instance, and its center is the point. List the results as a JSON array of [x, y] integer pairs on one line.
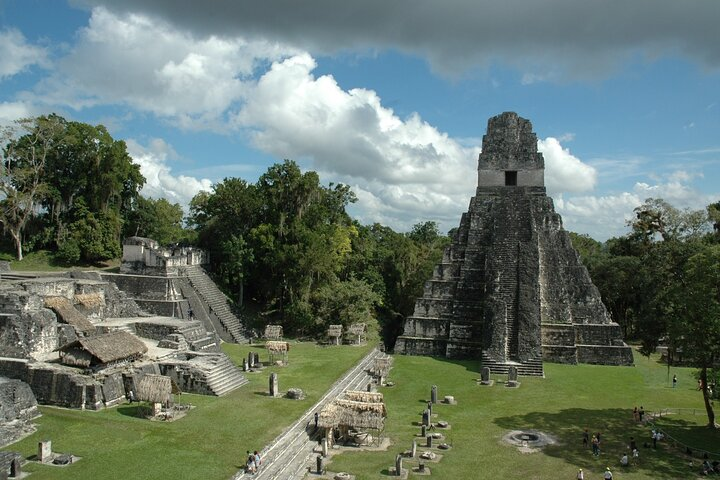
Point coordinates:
[[26, 327], [140, 286], [116, 302], [17, 401], [63, 386], [155, 331]]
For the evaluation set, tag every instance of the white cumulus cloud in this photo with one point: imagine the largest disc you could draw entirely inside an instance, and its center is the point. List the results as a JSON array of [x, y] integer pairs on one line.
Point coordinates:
[[564, 172], [17, 55], [160, 181], [149, 65]]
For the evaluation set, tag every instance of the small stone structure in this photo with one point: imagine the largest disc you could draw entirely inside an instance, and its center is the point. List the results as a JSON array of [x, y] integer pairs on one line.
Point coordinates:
[[398, 465], [511, 289], [44, 454], [512, 378], [485, 377], [146, 256], [295, 393], [273, 388], [528, 441], [18, 407], [10, 465]]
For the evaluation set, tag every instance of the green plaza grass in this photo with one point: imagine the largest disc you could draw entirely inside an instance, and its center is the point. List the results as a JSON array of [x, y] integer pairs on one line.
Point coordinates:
[[210, 442], [569, 399]]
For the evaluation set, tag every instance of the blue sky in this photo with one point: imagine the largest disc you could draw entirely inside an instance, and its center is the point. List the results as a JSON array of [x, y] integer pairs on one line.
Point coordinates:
[[391, 98]]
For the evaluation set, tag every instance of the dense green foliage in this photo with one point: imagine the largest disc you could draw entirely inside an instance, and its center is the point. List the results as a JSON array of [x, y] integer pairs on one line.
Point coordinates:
[[661, 283], [70, 188], [287, 243]]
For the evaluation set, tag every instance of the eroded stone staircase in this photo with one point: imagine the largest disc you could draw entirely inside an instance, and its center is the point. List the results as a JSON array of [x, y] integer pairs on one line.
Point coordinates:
[[209, 374], [526, 368], [216, 302]]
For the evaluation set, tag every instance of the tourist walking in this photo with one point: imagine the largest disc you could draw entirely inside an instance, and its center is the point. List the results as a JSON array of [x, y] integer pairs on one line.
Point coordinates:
[[258, 461], [608, 474], [674, 381], [250, 463], [595, 446], [580, 475], [586, 438]]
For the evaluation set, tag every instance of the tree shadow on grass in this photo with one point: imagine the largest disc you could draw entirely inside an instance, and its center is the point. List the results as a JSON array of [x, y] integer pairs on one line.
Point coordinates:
[[616, 427], [471, 365], [133, 410]]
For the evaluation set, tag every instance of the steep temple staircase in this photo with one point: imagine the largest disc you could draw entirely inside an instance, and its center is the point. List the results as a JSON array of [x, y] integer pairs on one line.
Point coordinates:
[[216, 302], [512, 223]]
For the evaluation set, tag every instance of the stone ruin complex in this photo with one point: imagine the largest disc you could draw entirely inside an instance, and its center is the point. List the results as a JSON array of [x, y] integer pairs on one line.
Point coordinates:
[[511, 289], [172, 282], [76, 340]]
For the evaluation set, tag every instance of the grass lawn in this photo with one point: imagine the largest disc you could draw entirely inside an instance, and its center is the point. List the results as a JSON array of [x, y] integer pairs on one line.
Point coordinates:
[[209, 443], [569, 399], [45, 261]]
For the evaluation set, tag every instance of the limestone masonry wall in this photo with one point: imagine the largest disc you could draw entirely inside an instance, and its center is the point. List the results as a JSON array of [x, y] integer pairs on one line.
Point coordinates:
[[511, 288]]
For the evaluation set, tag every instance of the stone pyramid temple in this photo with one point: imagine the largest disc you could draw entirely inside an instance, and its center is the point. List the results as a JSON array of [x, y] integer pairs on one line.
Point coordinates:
[[511, 289]]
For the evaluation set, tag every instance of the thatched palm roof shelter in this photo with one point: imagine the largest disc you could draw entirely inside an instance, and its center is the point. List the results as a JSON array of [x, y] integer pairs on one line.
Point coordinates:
[[273, 332], [103, 349], [90, 300], [358, 331], [352, 414], [278, 348], [67, 312], [381, 366], [335, 331], [155, 389], [362, 396]]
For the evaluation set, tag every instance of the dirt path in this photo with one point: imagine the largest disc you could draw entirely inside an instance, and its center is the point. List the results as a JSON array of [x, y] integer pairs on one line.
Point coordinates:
[[288, 456]]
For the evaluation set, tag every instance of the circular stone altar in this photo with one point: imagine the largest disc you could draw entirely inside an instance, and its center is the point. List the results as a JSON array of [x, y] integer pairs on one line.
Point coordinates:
[[528, 440]]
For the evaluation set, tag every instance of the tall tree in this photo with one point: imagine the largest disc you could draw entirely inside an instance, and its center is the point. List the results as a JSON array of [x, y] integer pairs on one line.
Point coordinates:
[[22, 175], [87, 164], [157, 219], [701, 322]]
